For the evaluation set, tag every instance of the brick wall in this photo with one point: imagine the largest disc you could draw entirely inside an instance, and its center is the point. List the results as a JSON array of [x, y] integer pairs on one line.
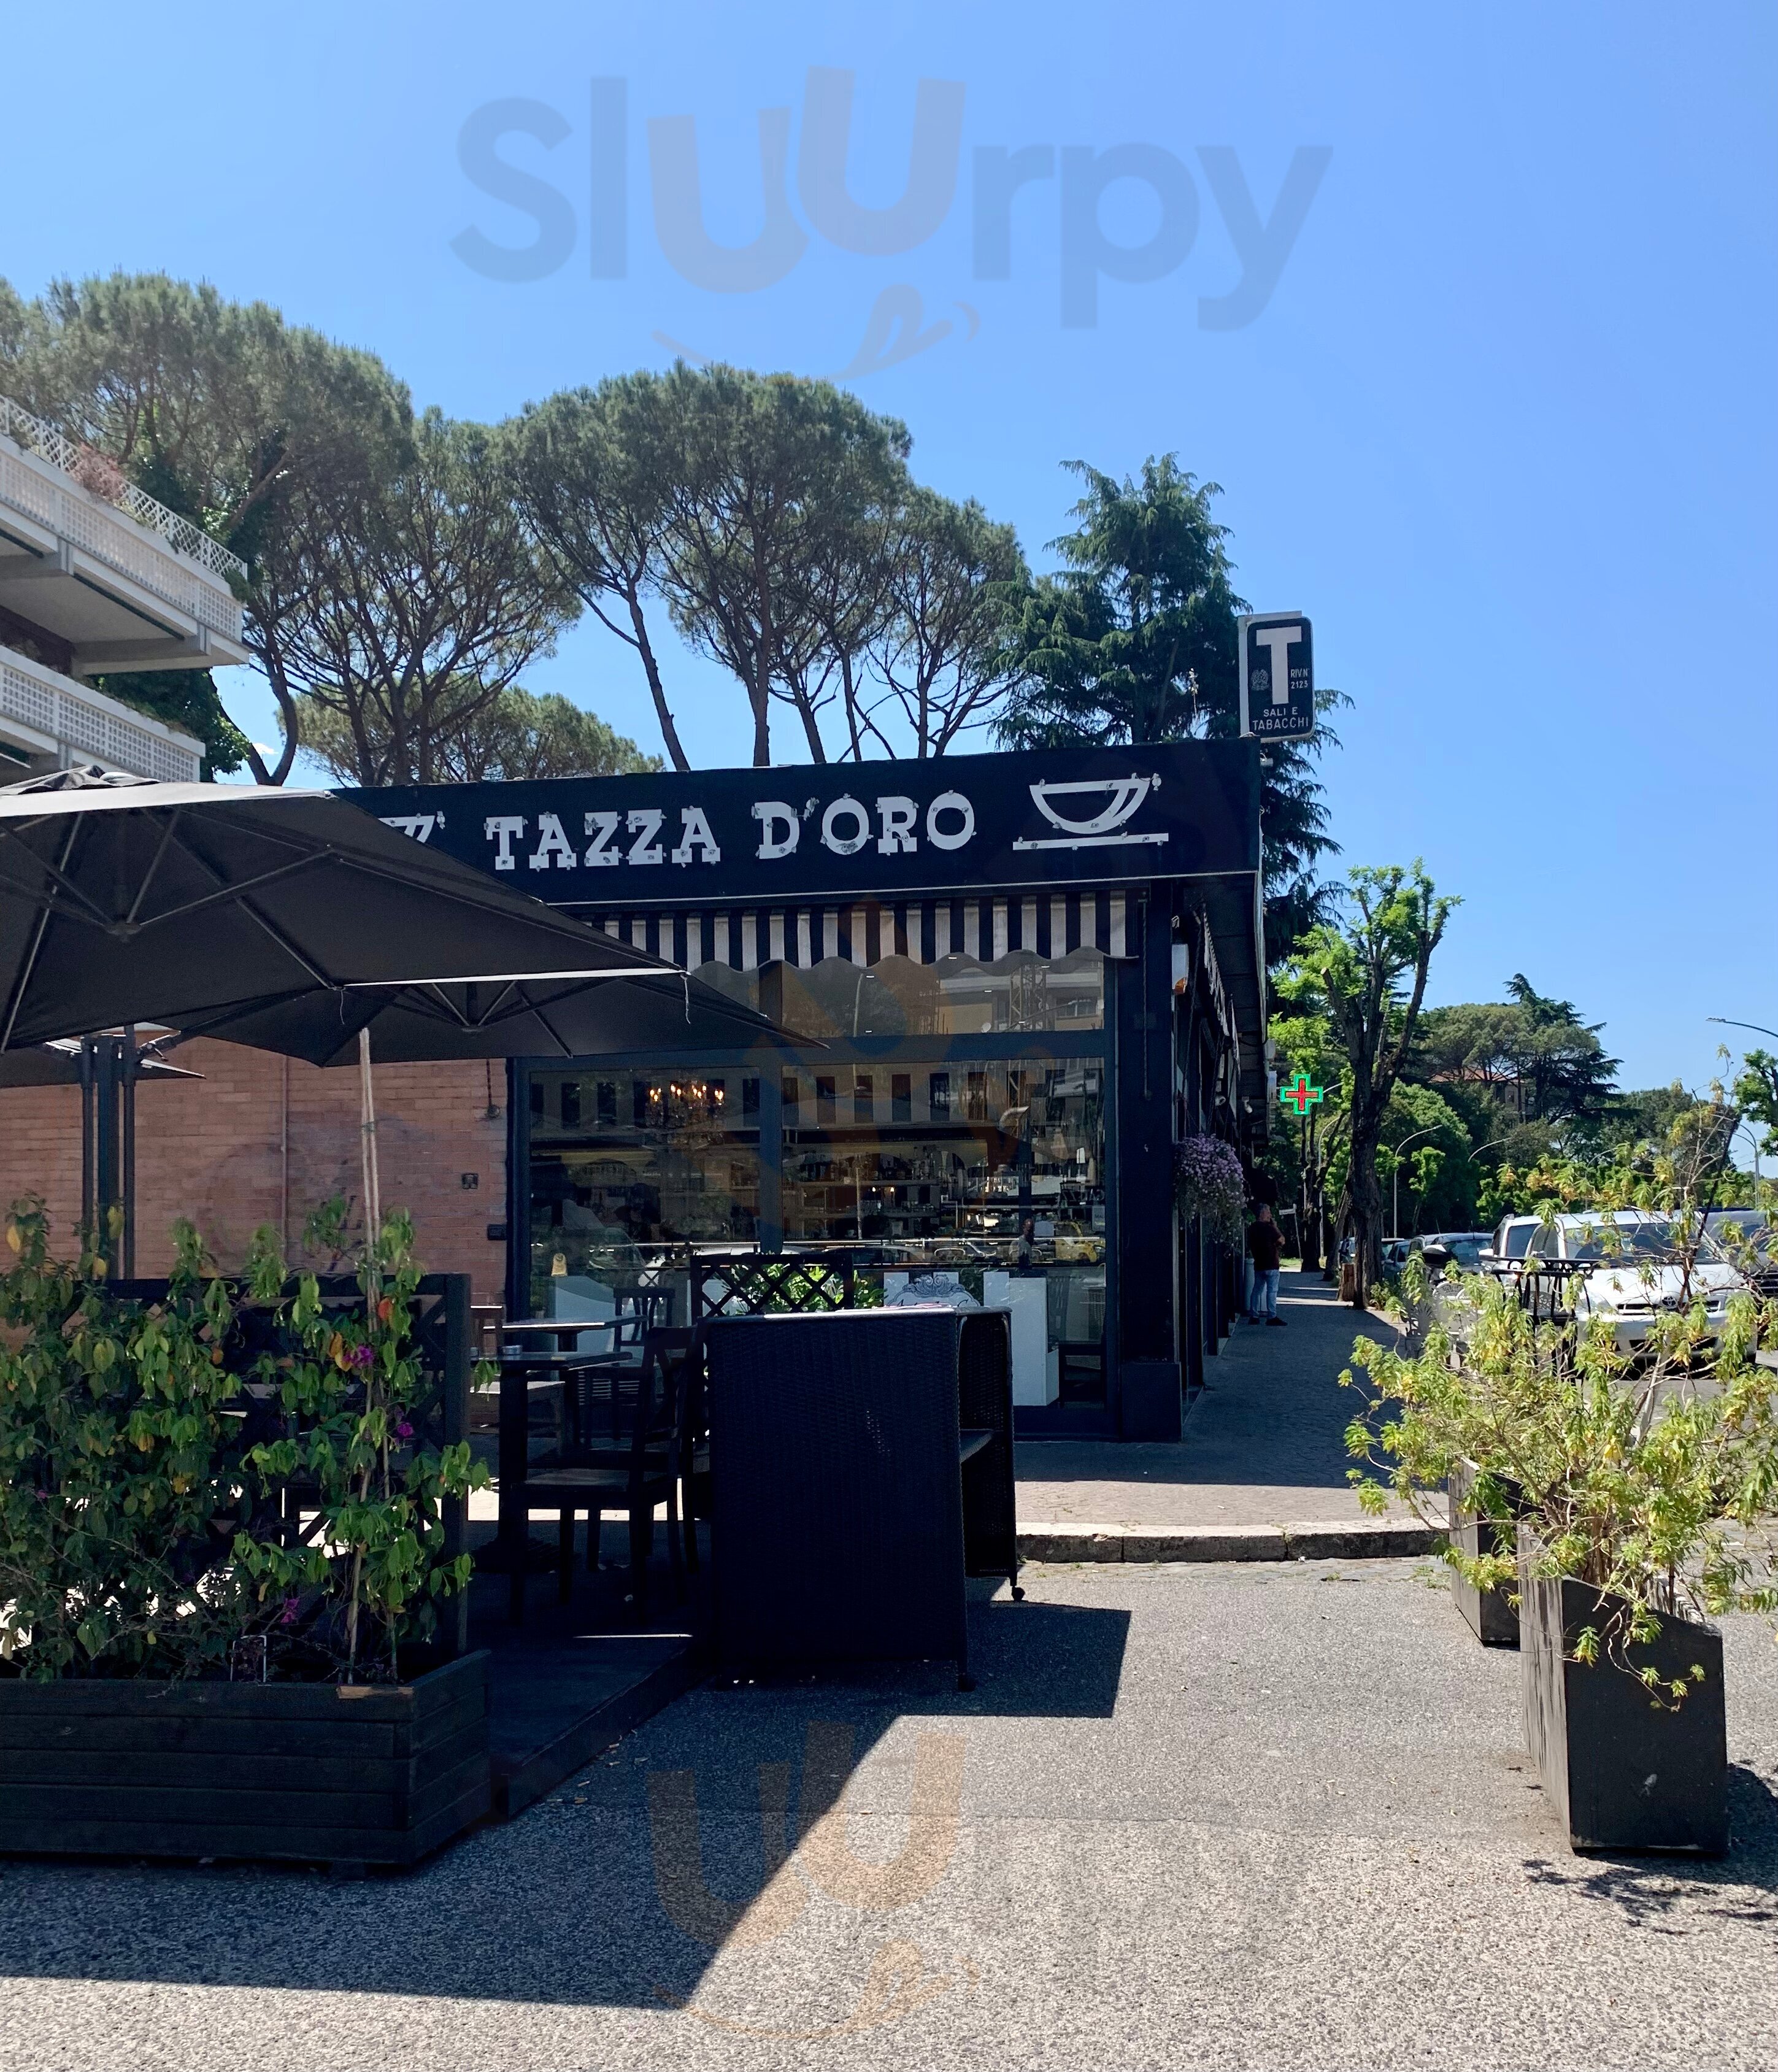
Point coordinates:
[[264, 1139]]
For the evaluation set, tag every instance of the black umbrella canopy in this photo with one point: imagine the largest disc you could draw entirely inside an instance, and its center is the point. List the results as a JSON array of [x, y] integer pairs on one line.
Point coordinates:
[[58, 1064], [520, 1018], [204, 905]]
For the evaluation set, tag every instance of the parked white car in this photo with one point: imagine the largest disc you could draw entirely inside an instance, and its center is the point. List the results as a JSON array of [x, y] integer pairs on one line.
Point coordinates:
[[1636, 1278], [1506, 1249]]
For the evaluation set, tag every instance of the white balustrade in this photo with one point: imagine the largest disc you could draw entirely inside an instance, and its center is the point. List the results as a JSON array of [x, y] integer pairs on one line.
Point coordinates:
[[138, 536], [75, 716]]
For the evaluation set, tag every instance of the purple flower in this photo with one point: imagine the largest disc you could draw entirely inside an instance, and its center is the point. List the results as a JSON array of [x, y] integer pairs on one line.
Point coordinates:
[[1208, 1183], [402, 1428], [362, 1356], [288, 1616]]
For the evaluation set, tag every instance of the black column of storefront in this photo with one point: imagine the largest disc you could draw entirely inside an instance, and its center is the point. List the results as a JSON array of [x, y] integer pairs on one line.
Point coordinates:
[[1148, 1369], [1191, 1240], [518, 1298]]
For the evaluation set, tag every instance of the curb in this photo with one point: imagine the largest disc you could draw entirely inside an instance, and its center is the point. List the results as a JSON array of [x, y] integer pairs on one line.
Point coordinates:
[[1390, 1540]]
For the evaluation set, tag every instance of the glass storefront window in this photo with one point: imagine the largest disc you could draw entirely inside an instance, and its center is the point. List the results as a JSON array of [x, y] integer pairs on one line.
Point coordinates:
[[958, 996], [624, 1162], [976, 1168], [969, 1169]]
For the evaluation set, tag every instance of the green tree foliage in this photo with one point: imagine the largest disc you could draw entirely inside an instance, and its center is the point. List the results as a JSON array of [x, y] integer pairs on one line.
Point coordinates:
[[1302, 1152], [587, 470], [516, 735], [1756, 1093], [228, 415], [776, 520], [759, 474], [956, 582], [1534, 1058], [1367, 974], [1134, 639], [414, 601]]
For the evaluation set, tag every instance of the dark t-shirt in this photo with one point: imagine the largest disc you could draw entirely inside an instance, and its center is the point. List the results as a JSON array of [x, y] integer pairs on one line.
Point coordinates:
[[1264, 1246]]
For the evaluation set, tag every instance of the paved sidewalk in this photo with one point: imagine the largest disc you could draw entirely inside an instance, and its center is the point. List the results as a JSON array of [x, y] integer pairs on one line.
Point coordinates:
[[1221, 1817], [1263, 1453]]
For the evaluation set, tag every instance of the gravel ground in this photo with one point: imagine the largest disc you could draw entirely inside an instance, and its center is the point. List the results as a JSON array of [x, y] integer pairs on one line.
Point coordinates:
[[1270, 1815]]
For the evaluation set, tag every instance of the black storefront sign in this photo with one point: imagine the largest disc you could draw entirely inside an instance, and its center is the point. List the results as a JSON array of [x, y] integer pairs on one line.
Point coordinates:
[[1094, 815], [1277, 676]]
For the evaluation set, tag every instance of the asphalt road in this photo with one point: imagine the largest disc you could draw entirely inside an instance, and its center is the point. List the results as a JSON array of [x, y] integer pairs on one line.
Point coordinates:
[[1253, 1815]]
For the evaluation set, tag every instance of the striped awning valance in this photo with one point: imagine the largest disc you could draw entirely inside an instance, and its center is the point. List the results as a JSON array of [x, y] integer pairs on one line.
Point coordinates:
[[866, 931]]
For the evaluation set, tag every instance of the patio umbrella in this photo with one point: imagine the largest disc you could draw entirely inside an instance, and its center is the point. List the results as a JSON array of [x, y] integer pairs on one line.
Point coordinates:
[[138, 902], [60, 1064], [294, 921], [107, 1069]]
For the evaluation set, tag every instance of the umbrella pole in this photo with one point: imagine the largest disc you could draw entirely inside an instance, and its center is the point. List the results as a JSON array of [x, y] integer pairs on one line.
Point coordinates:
[[373, 1201], [127, 1102]]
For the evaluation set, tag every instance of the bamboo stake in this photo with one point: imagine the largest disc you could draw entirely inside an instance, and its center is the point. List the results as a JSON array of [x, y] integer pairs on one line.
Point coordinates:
[[373, 1197]]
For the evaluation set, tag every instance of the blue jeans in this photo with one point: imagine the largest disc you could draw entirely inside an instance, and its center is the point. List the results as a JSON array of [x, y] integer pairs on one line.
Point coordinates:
[[1265, 1294]]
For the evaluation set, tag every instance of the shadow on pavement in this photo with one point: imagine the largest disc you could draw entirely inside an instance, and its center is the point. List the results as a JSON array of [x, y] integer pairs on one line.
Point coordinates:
[[1662, 1893], [621, 1888]]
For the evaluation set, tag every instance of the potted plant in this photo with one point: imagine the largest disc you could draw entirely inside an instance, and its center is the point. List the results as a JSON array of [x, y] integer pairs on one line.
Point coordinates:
[[227, 1535], [1624, 1497]]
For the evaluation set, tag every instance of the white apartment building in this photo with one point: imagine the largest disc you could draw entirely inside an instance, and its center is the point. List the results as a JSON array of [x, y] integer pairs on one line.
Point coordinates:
[[96, 576]]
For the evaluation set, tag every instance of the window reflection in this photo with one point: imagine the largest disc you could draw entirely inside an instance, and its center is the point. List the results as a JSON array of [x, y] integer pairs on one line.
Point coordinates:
[[958, 996], [626, 1161]]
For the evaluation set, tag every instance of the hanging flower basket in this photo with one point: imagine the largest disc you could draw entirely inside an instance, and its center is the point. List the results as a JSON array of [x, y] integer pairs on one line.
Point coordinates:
[[1209, 1185]]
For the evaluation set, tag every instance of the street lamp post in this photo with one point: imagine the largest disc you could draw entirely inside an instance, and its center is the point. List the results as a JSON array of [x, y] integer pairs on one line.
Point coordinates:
[[1758, 1028], [1395, 1177]]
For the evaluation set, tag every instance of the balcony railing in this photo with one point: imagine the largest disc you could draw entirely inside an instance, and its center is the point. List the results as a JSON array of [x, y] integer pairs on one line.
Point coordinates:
[[135, 534], [52, 713]]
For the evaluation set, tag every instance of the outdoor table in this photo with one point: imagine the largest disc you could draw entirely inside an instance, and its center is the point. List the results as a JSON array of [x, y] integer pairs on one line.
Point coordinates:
[[563, 1329]]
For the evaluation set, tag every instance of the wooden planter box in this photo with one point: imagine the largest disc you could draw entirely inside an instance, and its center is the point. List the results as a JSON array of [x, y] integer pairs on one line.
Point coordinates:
[[354, 1776], [1490, 1613], [1621, 1772]]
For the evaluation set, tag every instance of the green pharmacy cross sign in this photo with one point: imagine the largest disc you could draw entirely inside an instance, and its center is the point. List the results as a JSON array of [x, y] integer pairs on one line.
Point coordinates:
[[1299, 1096]]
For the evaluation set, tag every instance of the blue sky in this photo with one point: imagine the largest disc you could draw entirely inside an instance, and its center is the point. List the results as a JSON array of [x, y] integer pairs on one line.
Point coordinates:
[[1505, 426]]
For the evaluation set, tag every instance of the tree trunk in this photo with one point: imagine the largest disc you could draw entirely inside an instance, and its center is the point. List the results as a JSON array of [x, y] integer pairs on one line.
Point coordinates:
[[1366, 1191], [669, 733]]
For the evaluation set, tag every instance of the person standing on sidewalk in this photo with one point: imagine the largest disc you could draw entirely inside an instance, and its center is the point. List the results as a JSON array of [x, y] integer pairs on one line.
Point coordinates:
[[1265, 1248]]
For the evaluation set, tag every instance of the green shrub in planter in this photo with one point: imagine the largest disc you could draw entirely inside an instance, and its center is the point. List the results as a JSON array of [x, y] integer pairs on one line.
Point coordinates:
[[1644, 1489], [155, 1458]]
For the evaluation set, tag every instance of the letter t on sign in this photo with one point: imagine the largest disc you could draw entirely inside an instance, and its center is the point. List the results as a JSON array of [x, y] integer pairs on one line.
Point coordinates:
[[1276, 641], [502, 831]]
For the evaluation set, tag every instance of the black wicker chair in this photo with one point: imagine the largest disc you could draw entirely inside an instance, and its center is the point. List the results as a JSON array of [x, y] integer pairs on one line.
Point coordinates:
[[622, 1457]]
